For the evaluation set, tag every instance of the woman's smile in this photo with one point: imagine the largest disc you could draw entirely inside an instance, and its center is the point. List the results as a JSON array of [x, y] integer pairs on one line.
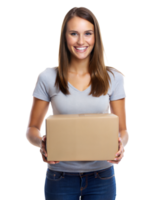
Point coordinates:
[[80, 49]]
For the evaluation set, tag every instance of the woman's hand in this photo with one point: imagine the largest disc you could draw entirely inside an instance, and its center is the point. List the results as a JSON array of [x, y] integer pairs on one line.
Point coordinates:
[[43, 151], [119, 154]]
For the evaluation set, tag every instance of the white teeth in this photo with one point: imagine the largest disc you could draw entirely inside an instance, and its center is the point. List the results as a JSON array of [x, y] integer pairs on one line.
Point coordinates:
[[81, 48]]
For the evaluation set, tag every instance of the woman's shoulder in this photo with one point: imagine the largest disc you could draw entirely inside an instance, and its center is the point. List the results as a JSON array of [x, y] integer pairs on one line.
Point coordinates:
[[49, 71], [115, 75]]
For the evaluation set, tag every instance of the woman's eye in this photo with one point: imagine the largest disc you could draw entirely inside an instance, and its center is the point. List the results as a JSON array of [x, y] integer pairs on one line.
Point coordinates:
[[76, 33]]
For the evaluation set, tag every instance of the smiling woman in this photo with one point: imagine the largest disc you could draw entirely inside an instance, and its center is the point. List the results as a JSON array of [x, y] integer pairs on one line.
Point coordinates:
[[82, 67], [80, 38], [80, 84]]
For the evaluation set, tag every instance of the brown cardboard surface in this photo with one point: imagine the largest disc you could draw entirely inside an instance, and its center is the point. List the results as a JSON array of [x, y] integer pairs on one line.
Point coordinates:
[[82, 137]]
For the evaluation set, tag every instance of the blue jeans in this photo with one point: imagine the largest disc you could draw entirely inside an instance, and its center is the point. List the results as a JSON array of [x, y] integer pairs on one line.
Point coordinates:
[[95, 185]]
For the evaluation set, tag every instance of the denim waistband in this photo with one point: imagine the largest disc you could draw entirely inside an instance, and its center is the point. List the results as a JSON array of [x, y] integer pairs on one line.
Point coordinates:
[[79, 173]]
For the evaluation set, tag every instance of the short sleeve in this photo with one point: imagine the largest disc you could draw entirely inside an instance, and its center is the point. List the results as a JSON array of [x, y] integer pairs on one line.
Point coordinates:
[[118, 91], [41, 88]]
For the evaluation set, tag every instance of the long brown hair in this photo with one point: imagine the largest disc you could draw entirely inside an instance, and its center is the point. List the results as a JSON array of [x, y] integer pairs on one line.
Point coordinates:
[[98, 71]]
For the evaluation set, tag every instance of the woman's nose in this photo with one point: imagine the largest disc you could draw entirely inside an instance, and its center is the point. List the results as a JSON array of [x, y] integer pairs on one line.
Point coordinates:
[[80, 40]]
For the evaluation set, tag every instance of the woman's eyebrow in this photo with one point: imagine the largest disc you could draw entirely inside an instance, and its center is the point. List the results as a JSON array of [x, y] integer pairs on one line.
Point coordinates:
[[77, 31]]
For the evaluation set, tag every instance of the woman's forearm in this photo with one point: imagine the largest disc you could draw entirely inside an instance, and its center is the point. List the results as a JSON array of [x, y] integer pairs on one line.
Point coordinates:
[[124, 135], [34, 136]]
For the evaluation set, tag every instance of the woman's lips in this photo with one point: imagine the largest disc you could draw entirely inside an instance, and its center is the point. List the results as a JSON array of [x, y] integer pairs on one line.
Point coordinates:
[[81, 51]]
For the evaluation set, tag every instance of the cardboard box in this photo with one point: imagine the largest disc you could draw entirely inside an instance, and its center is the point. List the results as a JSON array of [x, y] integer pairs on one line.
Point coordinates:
[[82, 137]]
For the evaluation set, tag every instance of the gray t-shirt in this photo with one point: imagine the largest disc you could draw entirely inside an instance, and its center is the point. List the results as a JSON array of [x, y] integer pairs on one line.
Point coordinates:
[[78, 102]]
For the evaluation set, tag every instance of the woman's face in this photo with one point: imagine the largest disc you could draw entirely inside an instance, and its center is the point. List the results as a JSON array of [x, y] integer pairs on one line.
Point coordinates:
[[80, 34]]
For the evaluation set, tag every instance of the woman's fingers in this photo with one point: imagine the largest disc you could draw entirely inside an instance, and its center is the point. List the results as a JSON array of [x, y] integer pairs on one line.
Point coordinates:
[[44, 159], [44, 153], [114, 162]]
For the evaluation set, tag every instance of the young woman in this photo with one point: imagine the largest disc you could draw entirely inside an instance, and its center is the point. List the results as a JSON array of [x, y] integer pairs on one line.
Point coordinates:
[[80, 84]]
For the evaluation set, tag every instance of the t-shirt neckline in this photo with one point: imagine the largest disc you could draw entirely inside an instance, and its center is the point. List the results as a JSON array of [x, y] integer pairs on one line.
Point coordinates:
[[77, 89]]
